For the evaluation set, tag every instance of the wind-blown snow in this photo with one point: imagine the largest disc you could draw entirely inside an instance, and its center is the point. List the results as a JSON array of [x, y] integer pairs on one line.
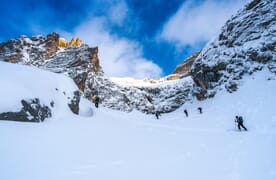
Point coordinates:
[[119, 145]]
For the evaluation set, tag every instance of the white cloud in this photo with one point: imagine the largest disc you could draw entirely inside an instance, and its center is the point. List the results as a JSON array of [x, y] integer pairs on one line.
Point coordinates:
[[119, 57], [118, 13], [193, 23]]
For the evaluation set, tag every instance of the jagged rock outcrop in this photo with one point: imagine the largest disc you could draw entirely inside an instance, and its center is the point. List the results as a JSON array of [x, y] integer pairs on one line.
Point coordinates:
[[62, 43], [76, 62], [44, 52], [74, 42], [246, 43], [165, 97], [31, 111], [27, 50], [185, 67], [51, 46], [74, 103]]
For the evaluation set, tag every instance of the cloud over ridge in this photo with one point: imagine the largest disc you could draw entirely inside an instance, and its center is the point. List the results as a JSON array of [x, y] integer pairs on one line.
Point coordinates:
[[119, 56], [198, 22]]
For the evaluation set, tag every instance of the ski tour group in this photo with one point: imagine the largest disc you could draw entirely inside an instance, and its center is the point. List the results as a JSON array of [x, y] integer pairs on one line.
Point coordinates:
[[238, 119]]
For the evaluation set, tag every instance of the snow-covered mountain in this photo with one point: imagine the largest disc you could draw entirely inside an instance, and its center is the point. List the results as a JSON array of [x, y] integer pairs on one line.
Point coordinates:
[[81, 63], [105, 144], [30, 94], [246, 44]]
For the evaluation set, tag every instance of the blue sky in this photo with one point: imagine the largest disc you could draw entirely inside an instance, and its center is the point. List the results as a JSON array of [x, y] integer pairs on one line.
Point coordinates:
[[137, 38]]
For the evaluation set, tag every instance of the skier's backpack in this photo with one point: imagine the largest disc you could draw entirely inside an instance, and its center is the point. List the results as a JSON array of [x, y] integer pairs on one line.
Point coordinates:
[[240, 119], [96, 99]]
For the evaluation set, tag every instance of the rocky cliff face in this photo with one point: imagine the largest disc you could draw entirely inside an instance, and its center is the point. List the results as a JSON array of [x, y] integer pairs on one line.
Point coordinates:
[[76, 60], [246, 43], [27, 50], [185, 67], [165, 96]]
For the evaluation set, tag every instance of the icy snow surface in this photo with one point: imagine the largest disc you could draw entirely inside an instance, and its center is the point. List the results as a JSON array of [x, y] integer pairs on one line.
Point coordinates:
[[134, 146]]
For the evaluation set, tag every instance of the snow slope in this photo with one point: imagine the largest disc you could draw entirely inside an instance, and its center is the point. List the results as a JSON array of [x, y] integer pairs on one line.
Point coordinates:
[[23, 82], [119, 145]]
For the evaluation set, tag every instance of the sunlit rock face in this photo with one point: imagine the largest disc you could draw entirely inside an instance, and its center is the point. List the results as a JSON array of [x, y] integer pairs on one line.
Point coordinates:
[[62, 43], [74, 42], [185, 67]]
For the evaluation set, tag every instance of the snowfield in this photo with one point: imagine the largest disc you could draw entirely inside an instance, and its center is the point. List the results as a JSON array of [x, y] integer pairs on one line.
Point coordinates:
[[106, 144]]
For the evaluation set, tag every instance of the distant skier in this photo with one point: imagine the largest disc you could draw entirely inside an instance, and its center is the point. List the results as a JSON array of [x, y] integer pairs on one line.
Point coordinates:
[[96, 100], [157, 114], [186, 112], [200, 110], [239, 120]]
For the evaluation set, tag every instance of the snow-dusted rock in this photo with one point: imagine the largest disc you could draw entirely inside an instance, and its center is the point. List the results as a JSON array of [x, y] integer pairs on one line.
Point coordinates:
[[31, 111], [74, 103], [81, 63], [165, 96], [246, 43], [44, 52]]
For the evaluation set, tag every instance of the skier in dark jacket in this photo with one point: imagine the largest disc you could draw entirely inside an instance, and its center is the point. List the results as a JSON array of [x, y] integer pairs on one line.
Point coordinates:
[[239, 120], [186, 112], [96, 100], [157, 114], [200, 110]]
